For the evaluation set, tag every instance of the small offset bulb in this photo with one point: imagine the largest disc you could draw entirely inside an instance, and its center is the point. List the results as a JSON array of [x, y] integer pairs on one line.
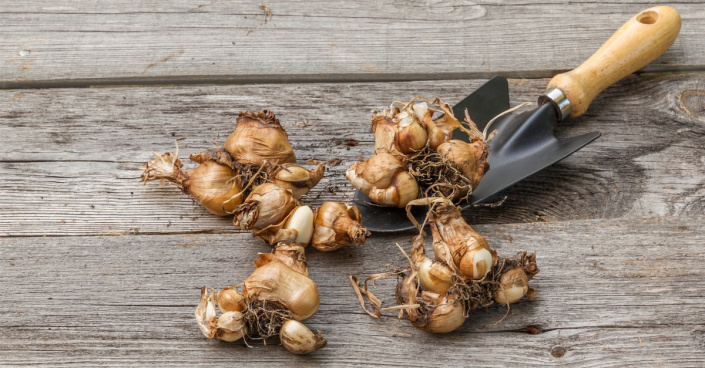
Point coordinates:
[[230, 300], [476, 263], [411, 136], [297, 178], [301, 221], [514, 284], [434, 277], [298, 339], [231, 327]]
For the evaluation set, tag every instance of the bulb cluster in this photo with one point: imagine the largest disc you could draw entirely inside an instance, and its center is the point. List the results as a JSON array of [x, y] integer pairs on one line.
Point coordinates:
[[258, 151], [437, 294], [255, 178], [416, 157], [274, 298]]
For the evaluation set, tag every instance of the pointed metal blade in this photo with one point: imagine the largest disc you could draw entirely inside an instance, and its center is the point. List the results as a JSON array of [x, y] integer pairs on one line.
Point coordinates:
[[483, 104], [486, 102], [524, 145]]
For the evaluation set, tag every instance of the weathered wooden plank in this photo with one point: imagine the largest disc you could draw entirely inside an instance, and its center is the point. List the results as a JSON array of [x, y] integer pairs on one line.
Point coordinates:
[[613, 293], [78, 43], [73, 154]]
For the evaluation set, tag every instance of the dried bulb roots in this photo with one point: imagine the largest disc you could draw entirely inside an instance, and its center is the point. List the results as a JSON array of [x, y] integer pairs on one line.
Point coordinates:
[[416, 157], [278, 283]]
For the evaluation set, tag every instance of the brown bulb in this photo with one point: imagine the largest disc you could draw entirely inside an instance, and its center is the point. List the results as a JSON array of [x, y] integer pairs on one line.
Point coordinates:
[[337, 224], [438, 313], [215, 186], [513, 285], [470, 159], [298, 339], [411, 135], [275, 282], [383, 179], [267, 204], [457, 245], [258, 137], [230, 299], [297, 178]]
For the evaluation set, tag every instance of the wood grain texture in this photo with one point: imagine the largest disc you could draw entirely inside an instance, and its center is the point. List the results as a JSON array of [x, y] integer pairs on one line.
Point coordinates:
[[79, 43], [637, 43], [613, 293], [70, 157]]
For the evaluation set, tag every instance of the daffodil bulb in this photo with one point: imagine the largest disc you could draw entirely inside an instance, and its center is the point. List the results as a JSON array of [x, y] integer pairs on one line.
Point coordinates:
[[230, 300], [437, 313], [337, 224], [258, 137], [513, 285], [297, 178], [276, 282], [230, 326], [296, 227], [383, 179], [433, 276], [213, 185], [470, 159], [457, 245], [298, 339], [411, 135], [266, 205]]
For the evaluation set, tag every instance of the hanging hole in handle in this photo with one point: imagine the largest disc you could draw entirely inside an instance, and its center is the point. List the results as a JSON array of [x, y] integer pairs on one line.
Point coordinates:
[[648, 17]]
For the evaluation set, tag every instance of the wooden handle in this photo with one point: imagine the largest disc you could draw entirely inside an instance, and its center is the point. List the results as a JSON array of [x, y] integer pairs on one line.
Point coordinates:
[[637, 43]]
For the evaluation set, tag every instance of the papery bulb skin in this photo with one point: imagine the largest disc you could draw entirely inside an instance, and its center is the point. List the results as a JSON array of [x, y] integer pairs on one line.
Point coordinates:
[[383, 178], [433, 276], [514, 284], [336, 224], [411, 135], [470, 159], [296, 228], [457, 245], [231, 326], [230, 300], [258, 137], [298, 339], [205, 313], [213, 185], [276, 282], [438, 313], [384, 129], [266, 205], [297, 178]]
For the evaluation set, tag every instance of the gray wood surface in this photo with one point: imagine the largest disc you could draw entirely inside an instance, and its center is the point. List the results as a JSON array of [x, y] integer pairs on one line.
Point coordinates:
[[618, 228], [99, 270], [620, 292], [77, 43], [70, 159]]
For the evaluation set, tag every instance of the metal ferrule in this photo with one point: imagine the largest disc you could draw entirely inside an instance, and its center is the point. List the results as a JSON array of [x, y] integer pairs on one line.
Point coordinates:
[[559, 102]]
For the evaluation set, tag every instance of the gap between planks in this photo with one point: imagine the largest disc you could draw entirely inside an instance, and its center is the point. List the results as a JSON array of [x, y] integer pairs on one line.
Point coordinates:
[[224, 80]]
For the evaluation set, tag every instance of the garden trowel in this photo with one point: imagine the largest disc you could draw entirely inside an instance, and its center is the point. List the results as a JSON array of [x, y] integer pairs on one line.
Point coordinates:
[[524, 143]]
